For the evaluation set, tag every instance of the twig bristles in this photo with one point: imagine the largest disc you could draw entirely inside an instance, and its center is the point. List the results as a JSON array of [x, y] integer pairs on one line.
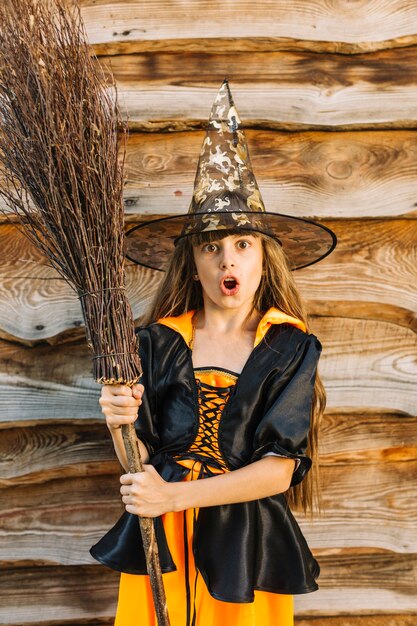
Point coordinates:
[[63, 173], [62, 149], [113, 364], [58, 137]]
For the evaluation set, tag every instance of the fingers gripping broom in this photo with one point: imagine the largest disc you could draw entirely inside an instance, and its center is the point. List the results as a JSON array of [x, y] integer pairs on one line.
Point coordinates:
[[63, 177]]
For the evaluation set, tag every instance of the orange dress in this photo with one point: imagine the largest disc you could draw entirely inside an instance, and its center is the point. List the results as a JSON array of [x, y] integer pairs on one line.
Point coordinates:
[[189, 602]]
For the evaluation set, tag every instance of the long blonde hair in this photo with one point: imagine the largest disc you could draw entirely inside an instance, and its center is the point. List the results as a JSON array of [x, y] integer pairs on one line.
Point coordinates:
[[178, 293]]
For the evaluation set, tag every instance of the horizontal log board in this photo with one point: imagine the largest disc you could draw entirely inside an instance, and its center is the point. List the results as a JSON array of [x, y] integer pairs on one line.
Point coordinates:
[[355, 583], [58, 521], [364, 506], [90, 621], [357, 489], [57, 595], [281, 90], [47, 382], [50, 382], [368, 364], [46, 451], [314, 20], [371, 274], [400, 619], [350, 438], [315, 174], [363, 583], [42, 452], [363, 310], [37, 304], [390, 620], [373, 264]]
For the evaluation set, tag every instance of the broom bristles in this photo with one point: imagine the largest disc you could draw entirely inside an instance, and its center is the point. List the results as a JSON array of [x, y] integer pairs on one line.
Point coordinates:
[[59, 158], [63, 169]]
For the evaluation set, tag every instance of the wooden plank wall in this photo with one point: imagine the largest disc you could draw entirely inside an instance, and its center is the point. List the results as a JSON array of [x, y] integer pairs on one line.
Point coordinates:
[[328, 93]]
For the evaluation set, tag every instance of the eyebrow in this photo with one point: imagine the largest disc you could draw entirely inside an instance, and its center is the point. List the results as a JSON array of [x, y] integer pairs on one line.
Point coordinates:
[[242, 236]]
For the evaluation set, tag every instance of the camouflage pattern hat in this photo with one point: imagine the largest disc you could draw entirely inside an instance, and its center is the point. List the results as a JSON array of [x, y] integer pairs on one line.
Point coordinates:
[[226, 196]]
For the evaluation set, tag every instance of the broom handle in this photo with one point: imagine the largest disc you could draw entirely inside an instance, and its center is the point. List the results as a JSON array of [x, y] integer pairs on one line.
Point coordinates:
[[147, 530]]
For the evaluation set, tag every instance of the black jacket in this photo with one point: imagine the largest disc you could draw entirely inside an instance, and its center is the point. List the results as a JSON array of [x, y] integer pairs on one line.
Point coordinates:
[[237, 547]]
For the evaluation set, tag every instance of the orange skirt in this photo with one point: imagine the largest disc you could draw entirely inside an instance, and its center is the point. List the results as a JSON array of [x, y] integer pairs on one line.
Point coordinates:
[[135, 605]]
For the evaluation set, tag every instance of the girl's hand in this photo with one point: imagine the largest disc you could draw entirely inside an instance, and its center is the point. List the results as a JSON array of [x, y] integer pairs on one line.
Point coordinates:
[[120, 403], [146, 493]]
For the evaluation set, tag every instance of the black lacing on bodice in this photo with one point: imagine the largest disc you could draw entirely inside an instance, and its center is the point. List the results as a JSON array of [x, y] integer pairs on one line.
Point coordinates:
[[211, 401]]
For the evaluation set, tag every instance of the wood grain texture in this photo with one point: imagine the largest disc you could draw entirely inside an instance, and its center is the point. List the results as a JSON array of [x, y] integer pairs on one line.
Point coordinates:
[[359, 23], [363, 310], [42, 452], [368, 472], [84, 621], [349, 437], [373, 264], [47, 382], [57, 595], [37, 304], [363, 174], [364, 584], [365, 506], [317, 174], [368, 364], [232, 45], [45, 451], [370, 275], [282, 90], [399, 619], [50, 382], [355, 583], [57, 522]]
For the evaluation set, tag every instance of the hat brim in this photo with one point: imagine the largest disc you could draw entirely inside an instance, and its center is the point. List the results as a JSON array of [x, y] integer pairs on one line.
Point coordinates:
[[304, 241]]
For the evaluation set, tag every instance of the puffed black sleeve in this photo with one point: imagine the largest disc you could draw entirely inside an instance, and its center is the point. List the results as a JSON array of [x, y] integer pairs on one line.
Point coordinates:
[[145, 425], [284, 428]]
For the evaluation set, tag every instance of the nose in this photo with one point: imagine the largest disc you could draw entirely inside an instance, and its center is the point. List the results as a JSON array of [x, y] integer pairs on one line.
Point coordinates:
[[227, 258]]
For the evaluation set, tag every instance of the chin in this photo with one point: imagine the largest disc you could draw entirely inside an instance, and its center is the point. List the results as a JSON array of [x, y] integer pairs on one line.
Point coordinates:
[[232, 302]]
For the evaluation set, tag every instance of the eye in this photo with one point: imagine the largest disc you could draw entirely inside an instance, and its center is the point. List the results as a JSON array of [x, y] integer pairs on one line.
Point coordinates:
[[209, 247], [243, 243]]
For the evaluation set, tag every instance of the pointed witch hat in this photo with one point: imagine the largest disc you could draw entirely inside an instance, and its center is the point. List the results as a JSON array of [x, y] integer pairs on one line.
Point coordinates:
[[226, 196]]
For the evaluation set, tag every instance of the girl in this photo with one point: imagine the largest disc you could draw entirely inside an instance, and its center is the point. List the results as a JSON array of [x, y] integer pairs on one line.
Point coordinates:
[[228, 407]]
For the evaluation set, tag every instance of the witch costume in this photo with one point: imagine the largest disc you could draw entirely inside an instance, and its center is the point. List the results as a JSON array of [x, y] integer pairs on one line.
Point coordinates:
[[237, 563]]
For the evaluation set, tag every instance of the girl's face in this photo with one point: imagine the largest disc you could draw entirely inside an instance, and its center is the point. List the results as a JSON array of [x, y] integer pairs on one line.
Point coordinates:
[[229, 270]]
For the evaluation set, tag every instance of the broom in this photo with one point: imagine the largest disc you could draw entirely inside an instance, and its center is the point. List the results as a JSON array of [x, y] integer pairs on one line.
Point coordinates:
[[63, 178]]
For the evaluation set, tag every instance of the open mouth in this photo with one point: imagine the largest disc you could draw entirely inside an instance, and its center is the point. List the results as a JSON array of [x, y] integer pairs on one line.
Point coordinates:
[[229, 283], [229, 286]]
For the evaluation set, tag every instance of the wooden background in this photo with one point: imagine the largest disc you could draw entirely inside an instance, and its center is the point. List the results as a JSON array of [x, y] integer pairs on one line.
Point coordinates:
[[327, 90]]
